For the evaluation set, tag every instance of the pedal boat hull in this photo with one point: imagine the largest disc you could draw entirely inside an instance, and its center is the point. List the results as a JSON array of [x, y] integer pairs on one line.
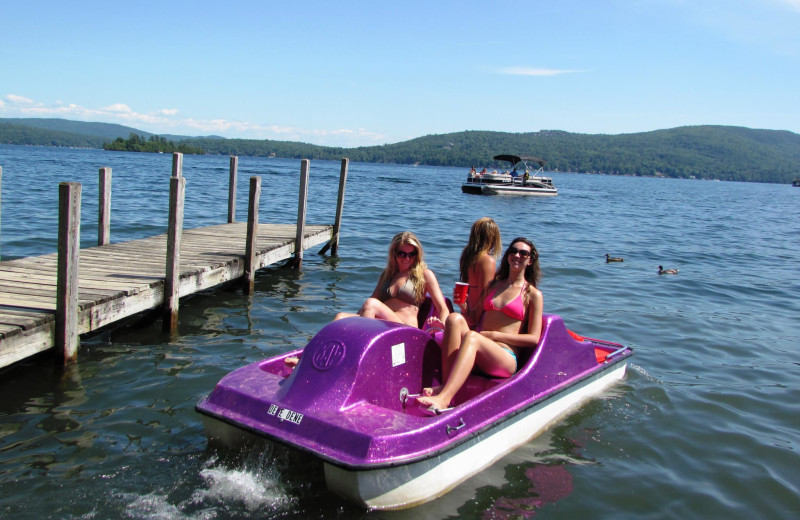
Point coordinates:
[[347, 404]]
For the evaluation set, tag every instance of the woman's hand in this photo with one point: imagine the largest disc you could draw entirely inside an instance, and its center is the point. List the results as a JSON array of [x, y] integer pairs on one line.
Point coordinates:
[[433, 324]]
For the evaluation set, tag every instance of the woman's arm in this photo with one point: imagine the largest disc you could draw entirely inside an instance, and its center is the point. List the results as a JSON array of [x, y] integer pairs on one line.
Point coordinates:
[[480, 277], [432, 288], [376, 293]]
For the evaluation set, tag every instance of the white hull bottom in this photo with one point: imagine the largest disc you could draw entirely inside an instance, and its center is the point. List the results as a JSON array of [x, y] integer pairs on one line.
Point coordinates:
[[518, 190], [418, 482]]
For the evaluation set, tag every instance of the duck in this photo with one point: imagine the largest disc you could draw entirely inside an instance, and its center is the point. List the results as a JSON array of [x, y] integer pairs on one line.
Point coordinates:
[[661, 270], [613, 259]]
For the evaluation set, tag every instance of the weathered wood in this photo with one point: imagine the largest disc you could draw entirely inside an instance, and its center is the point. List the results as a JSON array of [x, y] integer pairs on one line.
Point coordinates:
[[297, 263], [177, 164], [252, 235], [69, 230], [104, 208], [177, 188], [1, 208], [232, 189], [125, 278], [334, 242]]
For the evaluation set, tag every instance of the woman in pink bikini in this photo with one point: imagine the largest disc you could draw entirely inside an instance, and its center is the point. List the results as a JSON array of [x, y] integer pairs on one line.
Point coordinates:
[[510, 319]]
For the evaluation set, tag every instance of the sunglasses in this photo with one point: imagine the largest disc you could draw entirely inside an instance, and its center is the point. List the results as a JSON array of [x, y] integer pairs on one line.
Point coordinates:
[[404, 254], [523, 253]]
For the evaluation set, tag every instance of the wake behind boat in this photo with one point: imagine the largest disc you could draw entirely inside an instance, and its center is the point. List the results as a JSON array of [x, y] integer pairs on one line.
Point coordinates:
[[511, 182], [350, 403]]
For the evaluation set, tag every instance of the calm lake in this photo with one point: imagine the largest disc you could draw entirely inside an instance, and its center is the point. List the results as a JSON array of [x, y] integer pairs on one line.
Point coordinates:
[[706, 423]]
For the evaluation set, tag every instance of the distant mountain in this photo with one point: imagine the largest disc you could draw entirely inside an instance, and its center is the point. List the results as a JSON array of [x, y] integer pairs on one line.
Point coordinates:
[[703, 152], [106, 131]]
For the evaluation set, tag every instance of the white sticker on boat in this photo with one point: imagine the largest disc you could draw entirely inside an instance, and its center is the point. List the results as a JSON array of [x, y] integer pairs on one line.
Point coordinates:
[[288, 415], [398, 354], [273, 409]]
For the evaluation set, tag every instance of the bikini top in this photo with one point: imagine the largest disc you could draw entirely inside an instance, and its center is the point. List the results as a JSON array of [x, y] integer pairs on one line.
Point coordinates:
[[514, 309], [405, 293]]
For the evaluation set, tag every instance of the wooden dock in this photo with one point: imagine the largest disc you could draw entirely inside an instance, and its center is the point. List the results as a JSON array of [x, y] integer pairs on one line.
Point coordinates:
[[112, 282]]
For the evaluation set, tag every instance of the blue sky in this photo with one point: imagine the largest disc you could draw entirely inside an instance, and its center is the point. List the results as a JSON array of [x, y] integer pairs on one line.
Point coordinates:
[[362, 73]]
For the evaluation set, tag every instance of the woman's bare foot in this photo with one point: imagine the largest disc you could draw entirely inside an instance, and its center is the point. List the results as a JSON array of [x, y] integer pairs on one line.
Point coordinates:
[[434, 403], [291, 361]]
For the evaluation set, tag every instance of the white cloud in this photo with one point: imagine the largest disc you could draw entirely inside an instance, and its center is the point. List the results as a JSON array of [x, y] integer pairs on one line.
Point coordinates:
[[19, 100], [165, 121], [794, 4], [532, 71], [118, 107]]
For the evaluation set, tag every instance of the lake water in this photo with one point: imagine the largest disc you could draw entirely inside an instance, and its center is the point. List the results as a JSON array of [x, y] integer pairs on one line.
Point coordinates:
[[706, 423]]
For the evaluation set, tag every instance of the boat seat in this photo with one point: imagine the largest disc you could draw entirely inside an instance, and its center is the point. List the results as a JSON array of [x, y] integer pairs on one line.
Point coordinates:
[[427, 310]]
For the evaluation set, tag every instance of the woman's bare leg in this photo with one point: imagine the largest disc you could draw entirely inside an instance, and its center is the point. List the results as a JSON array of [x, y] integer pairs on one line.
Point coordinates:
[[455, 329], [475, 350]]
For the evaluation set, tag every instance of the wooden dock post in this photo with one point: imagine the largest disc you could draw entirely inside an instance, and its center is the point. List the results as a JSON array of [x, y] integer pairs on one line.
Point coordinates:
[[297, 261], [232, 190], [333, 244], [104, 208], [252, 235], [172, 278], [69, 244], [1, 207]]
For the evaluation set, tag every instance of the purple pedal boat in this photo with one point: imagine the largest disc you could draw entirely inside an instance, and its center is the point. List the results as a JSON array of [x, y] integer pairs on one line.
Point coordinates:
[[350, 402]]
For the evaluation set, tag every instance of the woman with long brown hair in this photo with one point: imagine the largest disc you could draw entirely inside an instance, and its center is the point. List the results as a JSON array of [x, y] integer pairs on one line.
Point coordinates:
[[478, 263]]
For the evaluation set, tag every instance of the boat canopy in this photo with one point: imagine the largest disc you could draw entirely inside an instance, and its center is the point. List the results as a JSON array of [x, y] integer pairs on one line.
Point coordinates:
[[514, 159]]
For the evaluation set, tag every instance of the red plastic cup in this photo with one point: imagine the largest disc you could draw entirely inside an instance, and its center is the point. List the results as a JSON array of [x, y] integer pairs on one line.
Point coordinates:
[[460, 293]]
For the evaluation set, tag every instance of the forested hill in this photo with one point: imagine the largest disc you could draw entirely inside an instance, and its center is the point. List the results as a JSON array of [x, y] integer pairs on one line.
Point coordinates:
[[706, 152]]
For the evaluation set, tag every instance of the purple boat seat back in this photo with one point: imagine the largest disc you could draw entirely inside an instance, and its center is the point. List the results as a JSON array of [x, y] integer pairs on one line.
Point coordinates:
[[428, 310], [361, 360]]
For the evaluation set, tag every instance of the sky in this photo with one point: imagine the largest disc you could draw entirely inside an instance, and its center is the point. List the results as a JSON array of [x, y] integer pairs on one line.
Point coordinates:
[[363, 73]]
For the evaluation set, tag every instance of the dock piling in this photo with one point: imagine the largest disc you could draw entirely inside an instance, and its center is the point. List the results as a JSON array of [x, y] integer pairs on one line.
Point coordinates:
[[172, 278], [69, 239], [333, 244], [297, 262], [234, 166], [104, 208], [1, 206], [252, 235]]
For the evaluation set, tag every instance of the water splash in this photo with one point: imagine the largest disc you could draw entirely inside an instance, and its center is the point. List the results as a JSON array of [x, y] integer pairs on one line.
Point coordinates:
[[253, 489]]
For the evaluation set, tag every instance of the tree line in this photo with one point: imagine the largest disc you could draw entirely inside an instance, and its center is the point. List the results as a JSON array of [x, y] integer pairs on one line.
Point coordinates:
[[152, 144]]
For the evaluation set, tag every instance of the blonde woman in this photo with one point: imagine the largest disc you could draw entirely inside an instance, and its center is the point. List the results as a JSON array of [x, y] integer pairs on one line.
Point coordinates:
[[403, 285]]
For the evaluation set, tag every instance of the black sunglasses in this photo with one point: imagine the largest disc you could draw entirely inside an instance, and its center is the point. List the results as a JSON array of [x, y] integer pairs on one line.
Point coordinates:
[[403, 254], [523, 253]]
